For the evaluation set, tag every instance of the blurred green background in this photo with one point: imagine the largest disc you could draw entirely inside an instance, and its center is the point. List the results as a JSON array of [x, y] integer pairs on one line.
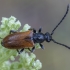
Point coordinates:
[[45, 13]]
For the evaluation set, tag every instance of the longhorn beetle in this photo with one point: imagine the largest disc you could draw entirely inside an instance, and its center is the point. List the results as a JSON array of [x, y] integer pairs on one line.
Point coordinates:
[[25, 40]]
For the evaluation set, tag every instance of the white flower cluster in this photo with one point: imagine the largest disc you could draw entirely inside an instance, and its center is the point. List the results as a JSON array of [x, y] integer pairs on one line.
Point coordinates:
[[25, 61]]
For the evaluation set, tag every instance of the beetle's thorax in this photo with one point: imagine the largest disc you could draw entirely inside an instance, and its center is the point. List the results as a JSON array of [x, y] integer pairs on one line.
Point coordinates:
[[38, 37]]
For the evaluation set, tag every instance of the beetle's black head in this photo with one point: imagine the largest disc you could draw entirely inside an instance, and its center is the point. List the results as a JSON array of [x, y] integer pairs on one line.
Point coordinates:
[[48, 37]]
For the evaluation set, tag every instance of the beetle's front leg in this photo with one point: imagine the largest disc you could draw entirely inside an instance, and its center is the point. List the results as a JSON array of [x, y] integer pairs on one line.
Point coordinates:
[[12, 31]]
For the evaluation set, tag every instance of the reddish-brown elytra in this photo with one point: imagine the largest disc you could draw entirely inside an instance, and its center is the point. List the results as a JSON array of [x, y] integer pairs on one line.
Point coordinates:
[[18, 40], [25, 40]]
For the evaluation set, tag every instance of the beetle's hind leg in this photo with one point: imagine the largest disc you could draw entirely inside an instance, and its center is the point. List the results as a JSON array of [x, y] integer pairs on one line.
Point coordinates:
[[20, 51], [12, 31]]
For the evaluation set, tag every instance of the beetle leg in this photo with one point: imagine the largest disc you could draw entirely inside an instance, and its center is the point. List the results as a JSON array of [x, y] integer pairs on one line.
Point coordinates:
[[12, 31], [41, 46], [34, 30], [31, 50], [20, 51], [40, 29]]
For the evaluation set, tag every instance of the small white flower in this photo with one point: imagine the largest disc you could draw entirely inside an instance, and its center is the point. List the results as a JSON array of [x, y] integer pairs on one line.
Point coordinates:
[[18, 23], [32, 56], [26, 27], [37, 64], [4, 20], [6, 64], [12, 58], [2, 26], [12, 18]]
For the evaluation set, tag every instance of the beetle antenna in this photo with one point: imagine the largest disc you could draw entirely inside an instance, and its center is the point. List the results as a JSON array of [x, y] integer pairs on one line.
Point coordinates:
[[60, 44], [61, 20]]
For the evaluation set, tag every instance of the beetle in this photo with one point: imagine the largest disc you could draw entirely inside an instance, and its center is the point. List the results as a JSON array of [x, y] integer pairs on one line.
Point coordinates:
[[26, 40]]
